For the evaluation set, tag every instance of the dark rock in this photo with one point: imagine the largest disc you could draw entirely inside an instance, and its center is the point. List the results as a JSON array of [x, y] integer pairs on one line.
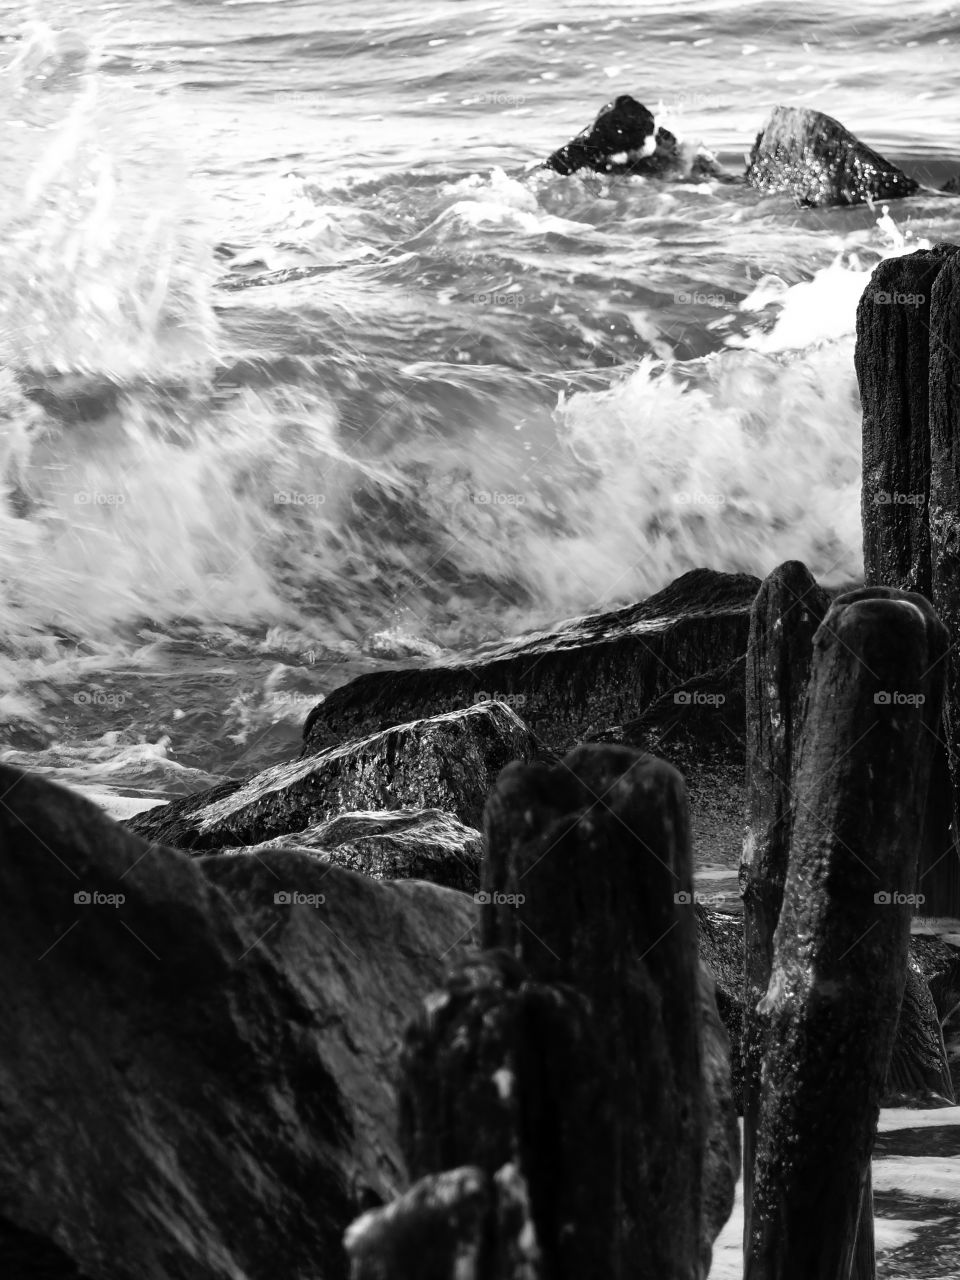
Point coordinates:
[[721, 1152], [698, 727], [939, 962], [447, 762], [569, 683], [197, 1080], [952, 185], [399, 844], [919, 1074], [624, 139], [820, 163], [918, 1050]]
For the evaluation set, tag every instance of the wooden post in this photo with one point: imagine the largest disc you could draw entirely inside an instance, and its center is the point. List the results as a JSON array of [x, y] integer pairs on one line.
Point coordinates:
[[598, 850], [786, 613], [457, 1225], [840, 948], [505, 1072], [897, 362], [891, 359], [941, 883]]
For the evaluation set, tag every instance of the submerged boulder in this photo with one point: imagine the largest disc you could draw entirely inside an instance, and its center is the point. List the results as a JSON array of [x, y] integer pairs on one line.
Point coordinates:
[[813, 157], [447, 762], [625, 139]]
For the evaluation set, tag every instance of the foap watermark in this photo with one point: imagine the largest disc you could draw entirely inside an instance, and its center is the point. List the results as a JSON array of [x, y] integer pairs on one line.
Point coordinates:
[[499, 298], [697, 698], [499, 899], [697, 498], [511, 699], [883, 298], [894, 899], [894, 698], [884, 498], [294, 498], [695, 102], [494, 498], [697, 298], [684, 898], [99, 698], [98, 498], [294, 898], [94, 898], [286, 697], [502, 99]]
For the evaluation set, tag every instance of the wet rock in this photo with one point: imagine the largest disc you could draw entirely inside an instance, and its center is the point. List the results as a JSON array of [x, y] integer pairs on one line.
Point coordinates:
[[939, 962], [919, 1070], [813, 157], [698, 726], [399, 844], [568, 683], [721, 1152], [446, 762], [720, 943], [197, 1079], [625, 139], [919, 1074]]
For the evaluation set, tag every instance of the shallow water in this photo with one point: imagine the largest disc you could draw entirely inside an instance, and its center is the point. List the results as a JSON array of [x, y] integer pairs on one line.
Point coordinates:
[[303, 372]]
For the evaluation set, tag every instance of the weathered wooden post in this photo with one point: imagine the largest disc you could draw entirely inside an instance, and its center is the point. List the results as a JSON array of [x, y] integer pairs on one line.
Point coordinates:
[[897, 356], [786, 614], [840, 948], [598, 848], [892, 359], [579, 1062], [944, 519]]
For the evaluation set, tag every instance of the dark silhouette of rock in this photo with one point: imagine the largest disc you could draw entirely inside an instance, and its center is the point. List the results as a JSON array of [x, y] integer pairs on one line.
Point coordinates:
[[952, 185], [819, 162], [399, 844], [446, 762], [198, 1079], [624, 139], [566, 684]]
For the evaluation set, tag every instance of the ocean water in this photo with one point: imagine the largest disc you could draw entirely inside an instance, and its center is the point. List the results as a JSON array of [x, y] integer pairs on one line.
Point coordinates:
[[305, 370]]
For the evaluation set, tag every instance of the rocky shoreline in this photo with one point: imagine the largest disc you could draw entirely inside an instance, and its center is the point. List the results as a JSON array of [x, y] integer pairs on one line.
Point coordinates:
[[438, 1000]]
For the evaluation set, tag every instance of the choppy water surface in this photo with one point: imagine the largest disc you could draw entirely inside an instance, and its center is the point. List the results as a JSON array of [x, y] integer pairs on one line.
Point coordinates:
[[304, 371]]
